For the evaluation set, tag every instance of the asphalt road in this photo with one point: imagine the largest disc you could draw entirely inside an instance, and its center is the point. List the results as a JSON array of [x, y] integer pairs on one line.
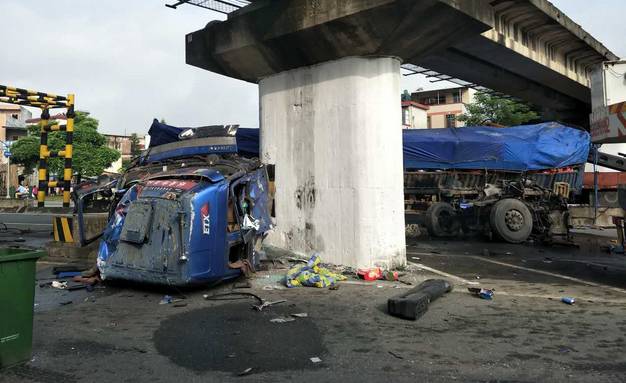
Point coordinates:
[[525, 334], [27, 221]]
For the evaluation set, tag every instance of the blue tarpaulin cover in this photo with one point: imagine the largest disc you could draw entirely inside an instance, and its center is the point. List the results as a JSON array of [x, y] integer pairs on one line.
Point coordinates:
[[247, 138], [161, 134], [248, 142], [519, 148]]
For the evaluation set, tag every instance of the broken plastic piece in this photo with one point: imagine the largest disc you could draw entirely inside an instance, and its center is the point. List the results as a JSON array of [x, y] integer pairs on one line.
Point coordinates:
[[282, 320], [245, 372], [166, 300], [315, 359], [568, 300], [59, 285], [251, 223], [371, 274], [482, 293], [68, 274], [267, 304]]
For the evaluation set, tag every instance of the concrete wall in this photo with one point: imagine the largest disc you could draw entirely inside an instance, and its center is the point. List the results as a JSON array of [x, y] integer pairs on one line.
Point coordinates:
[[334, 133]]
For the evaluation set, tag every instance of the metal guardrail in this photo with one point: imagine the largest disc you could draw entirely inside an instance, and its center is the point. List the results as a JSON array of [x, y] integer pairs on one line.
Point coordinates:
[[45, 102]]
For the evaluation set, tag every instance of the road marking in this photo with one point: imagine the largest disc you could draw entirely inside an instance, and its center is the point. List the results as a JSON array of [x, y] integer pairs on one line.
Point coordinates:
[[572, 279], [579, 298], [442, 273]]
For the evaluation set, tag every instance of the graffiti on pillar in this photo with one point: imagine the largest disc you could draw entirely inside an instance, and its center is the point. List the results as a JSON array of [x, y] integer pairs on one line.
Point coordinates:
[[305, 195]]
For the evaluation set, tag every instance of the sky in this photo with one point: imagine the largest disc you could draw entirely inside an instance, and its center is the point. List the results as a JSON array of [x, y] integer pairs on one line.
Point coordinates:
[[125, 60]]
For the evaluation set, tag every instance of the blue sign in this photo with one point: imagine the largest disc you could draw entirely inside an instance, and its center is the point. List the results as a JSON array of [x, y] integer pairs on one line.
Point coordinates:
[[7, 153]]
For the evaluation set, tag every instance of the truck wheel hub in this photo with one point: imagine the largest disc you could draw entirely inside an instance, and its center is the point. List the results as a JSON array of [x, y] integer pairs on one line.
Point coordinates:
[[514, 220]]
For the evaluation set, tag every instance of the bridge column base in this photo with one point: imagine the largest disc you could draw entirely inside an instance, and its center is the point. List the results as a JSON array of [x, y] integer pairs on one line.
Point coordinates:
[[333, 131]]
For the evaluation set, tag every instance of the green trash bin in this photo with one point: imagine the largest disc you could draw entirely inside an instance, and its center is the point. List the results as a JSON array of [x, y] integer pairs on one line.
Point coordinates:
[[17, 297]]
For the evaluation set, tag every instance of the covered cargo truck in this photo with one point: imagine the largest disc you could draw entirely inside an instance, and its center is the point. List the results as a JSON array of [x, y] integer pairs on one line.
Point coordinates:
[[506, 182], [190, 210]]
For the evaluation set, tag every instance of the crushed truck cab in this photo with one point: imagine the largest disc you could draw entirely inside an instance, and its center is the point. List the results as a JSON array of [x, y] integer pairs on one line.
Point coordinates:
[[190, 211]]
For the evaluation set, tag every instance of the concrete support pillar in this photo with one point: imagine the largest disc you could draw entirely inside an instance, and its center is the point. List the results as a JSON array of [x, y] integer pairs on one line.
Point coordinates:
[[334, 133]]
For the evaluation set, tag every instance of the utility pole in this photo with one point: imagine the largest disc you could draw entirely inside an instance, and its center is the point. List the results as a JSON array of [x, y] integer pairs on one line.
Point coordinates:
[[8, 177]]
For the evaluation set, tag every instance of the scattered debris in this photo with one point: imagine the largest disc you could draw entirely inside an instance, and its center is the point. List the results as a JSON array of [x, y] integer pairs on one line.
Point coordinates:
[[166, 300], [315, 359], [93, 280], [334, 287], [65, 303], [76, 287], [482, 293], [66, 268], [273, 287], [282, 320], [245, 372], [265, 304], [244, 265], [312, 275], [242, 285], [300, 315], [416, 258], [390, 275], [547, 260], [233, 296], [371, 274], [67, 274], [397, 356], [568, 300], [414, 303], [59, 285]]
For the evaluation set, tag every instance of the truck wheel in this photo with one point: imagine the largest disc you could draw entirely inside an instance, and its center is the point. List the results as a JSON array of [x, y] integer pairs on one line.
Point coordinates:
[[511, 220], [442, 220]]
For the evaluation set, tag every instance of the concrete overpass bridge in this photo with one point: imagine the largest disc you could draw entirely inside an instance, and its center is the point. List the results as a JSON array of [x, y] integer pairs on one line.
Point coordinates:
[[328, 74]]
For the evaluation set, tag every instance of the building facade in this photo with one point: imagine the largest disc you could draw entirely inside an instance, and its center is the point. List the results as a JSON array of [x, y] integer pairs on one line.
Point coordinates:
[[444, 105], [122, 144], [13, 121], [414, 115]]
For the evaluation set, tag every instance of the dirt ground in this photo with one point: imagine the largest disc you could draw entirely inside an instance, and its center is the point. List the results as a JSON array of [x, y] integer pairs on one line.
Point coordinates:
[[525, 334]]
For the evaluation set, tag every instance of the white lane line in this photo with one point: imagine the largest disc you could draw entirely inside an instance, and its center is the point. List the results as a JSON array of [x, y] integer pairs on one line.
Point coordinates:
[[444, 274], [439, 272], [584, 299], [593, 284]]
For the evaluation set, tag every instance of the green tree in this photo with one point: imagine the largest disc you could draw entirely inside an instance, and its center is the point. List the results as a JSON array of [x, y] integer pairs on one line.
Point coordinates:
[[90, 157], [135, 149], [406, 96], [488, 107]]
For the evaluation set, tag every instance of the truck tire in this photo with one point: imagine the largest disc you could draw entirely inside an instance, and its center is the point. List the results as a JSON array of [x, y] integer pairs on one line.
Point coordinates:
[[511, 220], [442, 220]]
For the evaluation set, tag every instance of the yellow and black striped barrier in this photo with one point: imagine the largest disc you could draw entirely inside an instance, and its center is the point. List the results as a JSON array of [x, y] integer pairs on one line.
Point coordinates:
[[62, 229], [47, 101]]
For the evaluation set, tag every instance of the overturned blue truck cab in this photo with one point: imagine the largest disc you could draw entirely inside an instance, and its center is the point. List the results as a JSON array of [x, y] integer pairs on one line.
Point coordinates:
[[189, 211]]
